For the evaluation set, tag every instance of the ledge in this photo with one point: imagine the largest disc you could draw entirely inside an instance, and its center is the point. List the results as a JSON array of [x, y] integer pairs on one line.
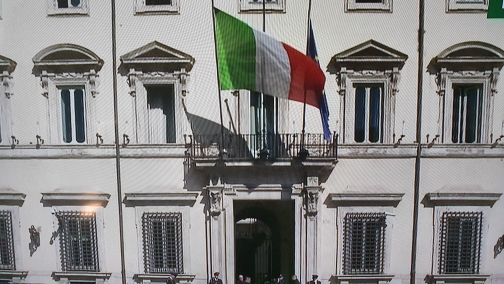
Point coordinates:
[[458, 278], [9, 196], [80, 275], [366, 199], [371, 278], [373, 151], [166, 198], [462, 151], [462, 198], [10, 274], [72, 198], [180, 278]]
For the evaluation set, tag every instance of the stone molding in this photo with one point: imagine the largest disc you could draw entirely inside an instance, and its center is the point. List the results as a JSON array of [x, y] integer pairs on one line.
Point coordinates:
[[11, 197], [371, 278], [179, 278], [458, 278], [366, 199], [166, 198], [461, 198], [75, 198]]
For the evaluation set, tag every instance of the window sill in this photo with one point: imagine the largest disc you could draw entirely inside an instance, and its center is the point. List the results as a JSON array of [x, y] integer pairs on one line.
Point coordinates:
[[147, 278], [247, 6], [80, 275], [371, 278], [12, 274], [462, 151], [459, 278], [373, 151]]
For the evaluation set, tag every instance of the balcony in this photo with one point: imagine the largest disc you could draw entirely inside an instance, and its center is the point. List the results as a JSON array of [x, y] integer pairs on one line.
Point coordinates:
[[272, 148]]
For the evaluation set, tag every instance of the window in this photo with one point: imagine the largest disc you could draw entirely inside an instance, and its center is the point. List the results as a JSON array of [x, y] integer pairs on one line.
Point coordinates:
[[460, 243], [263, 119], [162, 242], [78, 241], [161, 114], [157, 92], [69, 80], [257, 6], [6, 241], [466, 77], [368, 5], [7, 66], [466, 6], [466, 115], [368, 122], [368, 90], [73, 115], [364, 239], [67, 7], [157, 6]]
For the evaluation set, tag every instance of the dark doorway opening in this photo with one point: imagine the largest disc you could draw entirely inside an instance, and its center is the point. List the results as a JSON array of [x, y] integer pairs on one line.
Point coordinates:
[[264, 239]]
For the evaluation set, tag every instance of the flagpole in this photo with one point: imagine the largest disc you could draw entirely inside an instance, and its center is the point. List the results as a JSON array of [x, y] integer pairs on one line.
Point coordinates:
[[303, 150], [263, 112], [221, 144]]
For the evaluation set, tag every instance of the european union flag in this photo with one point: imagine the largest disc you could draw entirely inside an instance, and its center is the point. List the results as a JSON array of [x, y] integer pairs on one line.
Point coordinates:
[[311, 51]]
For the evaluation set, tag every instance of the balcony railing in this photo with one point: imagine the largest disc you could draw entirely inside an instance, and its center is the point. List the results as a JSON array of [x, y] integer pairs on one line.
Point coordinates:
[[262, 146]]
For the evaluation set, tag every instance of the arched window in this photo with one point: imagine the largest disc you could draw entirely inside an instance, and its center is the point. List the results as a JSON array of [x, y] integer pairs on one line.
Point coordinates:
[[68, 75], [466, 77]]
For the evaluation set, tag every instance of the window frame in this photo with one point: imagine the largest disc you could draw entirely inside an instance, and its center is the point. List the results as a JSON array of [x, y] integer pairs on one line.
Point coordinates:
[[66, 265], [8, 216], [141, 8], [147, 239], [53, 10], [55, 111], [444, 236], [348, 243], [250, 6], [384, 7], [454, 80], [458, 6]]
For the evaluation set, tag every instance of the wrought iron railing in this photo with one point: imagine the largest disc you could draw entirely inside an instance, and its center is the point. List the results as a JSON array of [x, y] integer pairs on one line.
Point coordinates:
[[262, 146]]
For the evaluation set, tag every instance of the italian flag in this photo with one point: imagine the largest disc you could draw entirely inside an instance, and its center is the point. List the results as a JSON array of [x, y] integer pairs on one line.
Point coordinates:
[[249, 59], [495, 9]]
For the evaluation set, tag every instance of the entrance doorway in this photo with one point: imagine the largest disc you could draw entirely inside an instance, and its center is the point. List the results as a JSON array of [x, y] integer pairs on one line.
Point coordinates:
[[264, 239]]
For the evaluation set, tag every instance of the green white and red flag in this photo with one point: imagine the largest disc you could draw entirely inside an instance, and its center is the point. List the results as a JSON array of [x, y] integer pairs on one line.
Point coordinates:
[[249, 59], [495, 9]]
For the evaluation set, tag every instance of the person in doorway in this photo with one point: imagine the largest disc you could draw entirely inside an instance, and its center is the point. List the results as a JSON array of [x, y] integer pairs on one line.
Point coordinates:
[[266, 279], [248, 280], [314, 279], [280, 279], [170, 279], [216, 279], [240, 280], [294, 279]]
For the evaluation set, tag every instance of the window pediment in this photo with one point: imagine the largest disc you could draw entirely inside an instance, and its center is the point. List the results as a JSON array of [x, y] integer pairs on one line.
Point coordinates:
[[156, 56], [7, 64], [369, 55], [67, 56], [479, 55]]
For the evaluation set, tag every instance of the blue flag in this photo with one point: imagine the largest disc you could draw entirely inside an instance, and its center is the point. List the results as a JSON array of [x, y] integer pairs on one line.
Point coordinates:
[[311, 51]]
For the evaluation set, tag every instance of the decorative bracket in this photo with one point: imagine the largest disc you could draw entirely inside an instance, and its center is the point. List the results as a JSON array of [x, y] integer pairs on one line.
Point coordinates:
[[92, 77], [493, 80], [215, 193], [132, 79], [395, 76], [182, 76], [441, 81], [44, 82], [312, 190], [6, 79], [341, 80]]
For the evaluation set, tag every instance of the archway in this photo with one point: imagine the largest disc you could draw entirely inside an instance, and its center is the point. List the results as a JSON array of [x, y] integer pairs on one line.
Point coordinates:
[[264, 239]]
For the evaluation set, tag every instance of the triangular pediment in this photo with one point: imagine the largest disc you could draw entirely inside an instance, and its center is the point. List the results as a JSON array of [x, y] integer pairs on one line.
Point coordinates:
[[7, 64], [367, 55], [158, 54]]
